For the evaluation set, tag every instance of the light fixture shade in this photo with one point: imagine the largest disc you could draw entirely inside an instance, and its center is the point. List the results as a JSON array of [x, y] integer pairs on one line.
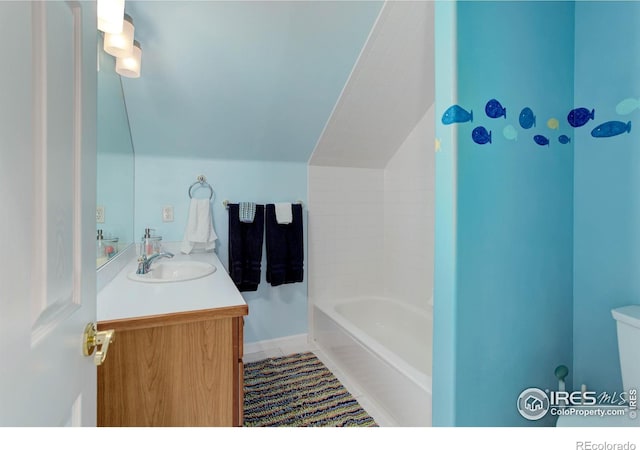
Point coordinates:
[[129, 66], [110, 14], [120, 44]]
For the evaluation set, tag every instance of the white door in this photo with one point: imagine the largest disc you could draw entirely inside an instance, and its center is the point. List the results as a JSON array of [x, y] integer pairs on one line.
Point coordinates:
[[47, 221]]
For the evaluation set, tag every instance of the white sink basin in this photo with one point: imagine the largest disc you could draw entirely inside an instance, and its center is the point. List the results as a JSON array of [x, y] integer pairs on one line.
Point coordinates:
[[172, 271]]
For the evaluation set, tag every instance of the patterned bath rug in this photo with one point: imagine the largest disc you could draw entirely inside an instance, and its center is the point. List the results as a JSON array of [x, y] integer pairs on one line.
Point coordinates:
[[298, 391]]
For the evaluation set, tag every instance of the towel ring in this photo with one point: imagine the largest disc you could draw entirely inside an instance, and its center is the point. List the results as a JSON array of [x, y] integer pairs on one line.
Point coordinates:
[[202, 181]]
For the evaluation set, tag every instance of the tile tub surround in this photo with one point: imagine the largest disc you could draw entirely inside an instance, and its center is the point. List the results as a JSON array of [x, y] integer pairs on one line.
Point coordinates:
[[346, 232], [359, 215]]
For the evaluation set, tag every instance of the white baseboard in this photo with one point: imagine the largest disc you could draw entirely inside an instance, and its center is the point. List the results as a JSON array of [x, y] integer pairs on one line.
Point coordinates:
[[298, 340]]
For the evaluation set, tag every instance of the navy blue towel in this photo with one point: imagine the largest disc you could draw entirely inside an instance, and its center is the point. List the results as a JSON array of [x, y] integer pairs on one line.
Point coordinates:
[[245, 248], [285, 247]]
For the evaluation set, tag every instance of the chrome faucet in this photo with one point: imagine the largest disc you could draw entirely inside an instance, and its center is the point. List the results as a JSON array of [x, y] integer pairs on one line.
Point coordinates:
[[144, 263]]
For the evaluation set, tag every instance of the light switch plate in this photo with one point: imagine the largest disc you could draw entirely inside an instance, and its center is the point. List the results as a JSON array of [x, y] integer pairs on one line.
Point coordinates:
[[100, 214]]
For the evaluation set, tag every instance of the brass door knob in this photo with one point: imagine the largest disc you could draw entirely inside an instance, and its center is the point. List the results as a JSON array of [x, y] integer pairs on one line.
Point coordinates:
[[92, 339]]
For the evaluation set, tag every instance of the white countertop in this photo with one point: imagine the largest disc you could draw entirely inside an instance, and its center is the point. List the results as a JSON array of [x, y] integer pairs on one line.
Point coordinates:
[[123, 298]]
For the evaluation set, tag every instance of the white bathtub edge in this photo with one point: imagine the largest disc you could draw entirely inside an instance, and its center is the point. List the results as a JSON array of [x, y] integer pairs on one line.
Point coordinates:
[[401, 398], [424, 381]]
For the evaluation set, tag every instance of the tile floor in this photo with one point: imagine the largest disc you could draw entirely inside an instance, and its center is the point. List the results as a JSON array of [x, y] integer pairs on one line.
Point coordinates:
[[256, 352]]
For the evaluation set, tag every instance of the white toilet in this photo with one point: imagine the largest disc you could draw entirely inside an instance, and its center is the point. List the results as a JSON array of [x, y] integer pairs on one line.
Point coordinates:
[[628, 326]]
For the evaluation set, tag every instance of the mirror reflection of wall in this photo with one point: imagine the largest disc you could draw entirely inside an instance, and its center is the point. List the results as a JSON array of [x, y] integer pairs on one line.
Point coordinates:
[[115, 172]]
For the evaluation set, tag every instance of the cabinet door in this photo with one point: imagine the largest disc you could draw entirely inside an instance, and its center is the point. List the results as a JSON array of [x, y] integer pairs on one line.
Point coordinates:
[[172, 375], [238, 346]]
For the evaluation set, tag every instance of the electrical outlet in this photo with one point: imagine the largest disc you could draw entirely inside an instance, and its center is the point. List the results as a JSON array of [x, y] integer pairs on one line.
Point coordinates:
[[167, 214], [100, 214]]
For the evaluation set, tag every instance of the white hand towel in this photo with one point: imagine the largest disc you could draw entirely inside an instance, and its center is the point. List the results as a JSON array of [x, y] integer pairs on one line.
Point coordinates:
[[284, 215], [199, 232]]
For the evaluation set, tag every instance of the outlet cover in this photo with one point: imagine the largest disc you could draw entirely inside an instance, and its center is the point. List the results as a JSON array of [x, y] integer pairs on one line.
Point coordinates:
[[100, 214], [167, 214]]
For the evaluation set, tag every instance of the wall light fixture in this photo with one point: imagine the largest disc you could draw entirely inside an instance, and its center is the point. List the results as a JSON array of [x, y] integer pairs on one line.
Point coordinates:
[[120, 44], [110, 14], [129, 66]]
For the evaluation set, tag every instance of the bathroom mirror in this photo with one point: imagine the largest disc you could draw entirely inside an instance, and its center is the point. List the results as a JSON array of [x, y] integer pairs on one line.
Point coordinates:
[[115, 161]]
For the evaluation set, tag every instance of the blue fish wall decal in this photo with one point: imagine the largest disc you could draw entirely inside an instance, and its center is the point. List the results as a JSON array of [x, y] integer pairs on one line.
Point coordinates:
[[580, 116], [612, 128], [456, 114], [480, 135], [527, 118], [494, 109], [540, 139], [510, 132], [564, 139], [627, 106]]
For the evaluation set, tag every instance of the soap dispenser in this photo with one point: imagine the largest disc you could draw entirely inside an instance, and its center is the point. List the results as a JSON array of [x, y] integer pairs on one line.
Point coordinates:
[[100, 244], [146, 247], [150, 245]]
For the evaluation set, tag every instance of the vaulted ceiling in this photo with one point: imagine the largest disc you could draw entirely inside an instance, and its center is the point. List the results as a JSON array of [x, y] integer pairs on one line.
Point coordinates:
[[241, 80]]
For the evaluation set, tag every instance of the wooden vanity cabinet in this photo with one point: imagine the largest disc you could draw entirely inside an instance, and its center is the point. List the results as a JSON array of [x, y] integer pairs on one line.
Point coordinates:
[[183, 369]]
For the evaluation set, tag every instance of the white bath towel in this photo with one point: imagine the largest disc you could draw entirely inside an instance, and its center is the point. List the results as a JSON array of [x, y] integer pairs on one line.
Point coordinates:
[[199, 233], [284, 214]]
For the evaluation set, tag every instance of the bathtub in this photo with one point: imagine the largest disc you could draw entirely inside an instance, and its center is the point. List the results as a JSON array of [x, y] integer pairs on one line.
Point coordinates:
[[385, 347]]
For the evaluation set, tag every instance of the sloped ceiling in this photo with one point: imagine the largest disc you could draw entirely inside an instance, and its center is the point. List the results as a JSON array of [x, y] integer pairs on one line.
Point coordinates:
[[241, 80], [388, 93]]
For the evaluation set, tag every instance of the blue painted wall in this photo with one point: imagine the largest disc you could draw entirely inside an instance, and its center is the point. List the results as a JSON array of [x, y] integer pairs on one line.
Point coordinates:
[[512, 298], [607, 188], [273, 311]]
